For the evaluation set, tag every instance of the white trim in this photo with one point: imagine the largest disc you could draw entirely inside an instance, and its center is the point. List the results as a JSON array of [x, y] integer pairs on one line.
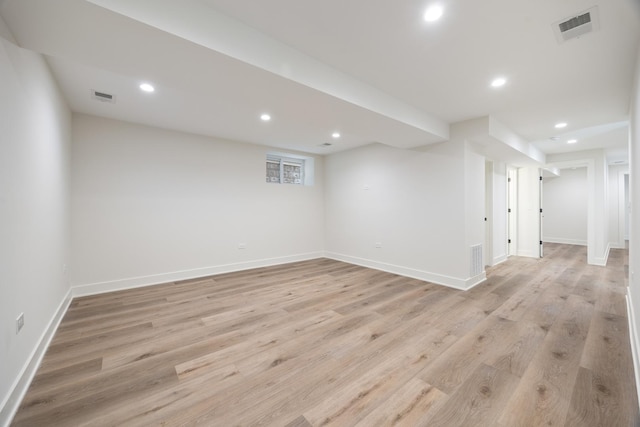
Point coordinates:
[[155, 279], [472, 282], [564, 241], [306, 164], [499, 260], [614, 245], [602, 262], [451, 282], [527, 253], [21, 385], [635, 343]]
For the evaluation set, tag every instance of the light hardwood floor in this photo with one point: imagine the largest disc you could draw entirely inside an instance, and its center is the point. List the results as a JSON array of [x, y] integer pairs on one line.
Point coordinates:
[[541, 342]]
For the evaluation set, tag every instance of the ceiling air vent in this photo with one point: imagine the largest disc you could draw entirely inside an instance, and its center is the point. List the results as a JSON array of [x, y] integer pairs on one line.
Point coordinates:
[[103, 97], [578, 25], [326, 144]]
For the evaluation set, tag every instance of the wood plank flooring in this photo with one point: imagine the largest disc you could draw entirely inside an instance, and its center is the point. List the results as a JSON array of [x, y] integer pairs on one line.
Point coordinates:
[[319, 343]]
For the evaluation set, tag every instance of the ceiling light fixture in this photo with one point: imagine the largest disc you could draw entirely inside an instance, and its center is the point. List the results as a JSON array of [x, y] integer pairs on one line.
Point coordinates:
[[433, 13], [561, 125], [336, 135], [265, 117], [498, 82], [572, 141], [146, 87]]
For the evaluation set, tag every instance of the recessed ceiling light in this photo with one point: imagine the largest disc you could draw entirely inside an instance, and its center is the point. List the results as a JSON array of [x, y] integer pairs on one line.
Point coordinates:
[[336, 135], [561, 125], [433, 13], [265, 117], [146, 87], [572, 141], [498, 82]]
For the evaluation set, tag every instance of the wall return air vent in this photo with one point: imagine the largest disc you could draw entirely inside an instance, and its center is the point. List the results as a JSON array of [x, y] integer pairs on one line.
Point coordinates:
[[477, 263], [103, 96], [575, 26]]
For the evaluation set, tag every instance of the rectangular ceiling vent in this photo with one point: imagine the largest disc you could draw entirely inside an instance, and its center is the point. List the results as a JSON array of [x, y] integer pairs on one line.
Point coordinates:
[[578, 25], [575, 22], [103, 97]]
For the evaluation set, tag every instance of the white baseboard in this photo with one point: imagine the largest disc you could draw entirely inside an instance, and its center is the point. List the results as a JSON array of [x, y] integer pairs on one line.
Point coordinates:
[[564, 241], [472, 282], [451, 282], [602, 262], [593, 260], [155, 279], [500, 259], [21, 385], [635, 344], [528, 254]]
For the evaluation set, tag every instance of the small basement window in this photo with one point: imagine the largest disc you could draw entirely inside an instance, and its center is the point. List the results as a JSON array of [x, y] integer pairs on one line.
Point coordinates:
[[282, 169]]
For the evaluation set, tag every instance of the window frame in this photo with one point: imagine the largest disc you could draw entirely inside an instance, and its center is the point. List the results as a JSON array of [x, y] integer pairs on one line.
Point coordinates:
[[283, 161]]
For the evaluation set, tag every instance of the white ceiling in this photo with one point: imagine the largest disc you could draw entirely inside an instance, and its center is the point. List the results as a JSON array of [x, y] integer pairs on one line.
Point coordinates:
[[371, 69]]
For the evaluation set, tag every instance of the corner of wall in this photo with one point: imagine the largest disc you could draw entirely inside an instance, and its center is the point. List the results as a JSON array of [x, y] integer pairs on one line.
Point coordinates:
[[5, 31], [500, 259], [600, 261], [472, 282], [635, 343], [11, 404], [34, 158], [438, 279], [633, 300]]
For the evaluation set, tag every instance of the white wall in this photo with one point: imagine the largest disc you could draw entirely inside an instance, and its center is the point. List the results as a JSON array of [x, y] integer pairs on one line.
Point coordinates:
[[34, 165], [151, 205], [634, 237], [565, 207], [409, 202]]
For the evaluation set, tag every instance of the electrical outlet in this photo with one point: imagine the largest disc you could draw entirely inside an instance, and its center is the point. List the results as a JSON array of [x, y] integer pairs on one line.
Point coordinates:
[[242, 246], [19, 323], [378, 244]]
